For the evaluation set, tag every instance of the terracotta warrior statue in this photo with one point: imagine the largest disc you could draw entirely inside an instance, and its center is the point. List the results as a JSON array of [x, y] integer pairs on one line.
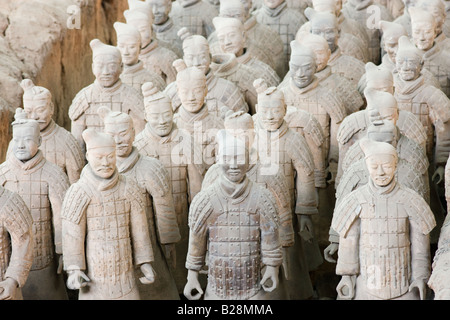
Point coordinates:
[[16, 243], [232, 39], [223, 95], [304, 92], [358, 10], [58, 145], [435, 57], [153, 178], [325, 22], [383, 227], [391, 32], [174, 148], [164, 26], [134, 74], [42, 185], [107, 90], [193, 115], [284, 20], [105, 230], [437, 9], [196, 15], [280, 148], [237, 9], [156, 58], [342, 86], [235, 221]]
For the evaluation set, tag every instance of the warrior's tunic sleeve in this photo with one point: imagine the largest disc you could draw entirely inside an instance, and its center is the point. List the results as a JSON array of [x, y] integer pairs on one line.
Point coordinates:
[[18, 223]]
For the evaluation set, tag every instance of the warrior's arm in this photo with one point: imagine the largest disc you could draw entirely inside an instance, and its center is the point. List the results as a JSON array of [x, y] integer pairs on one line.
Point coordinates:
[[420, 252], [77, 128], [348, 254], [195, 258], [271, 253], [57, 191]]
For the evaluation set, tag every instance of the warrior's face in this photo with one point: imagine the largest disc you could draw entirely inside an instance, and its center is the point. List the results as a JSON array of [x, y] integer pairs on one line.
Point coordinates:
[[234, 163], [160, 118], [129, 48], [408, 68], [271, 113], [326, 29], [382, 168], [197, 56], [272, 4], [192, 95], [161, 10], [302, 70], [423, 35], [26, 141], [231, 40], [102, 161], [145, 29], [123, 134], [322, 56], [107, 69], [39, 110], [391, 48]]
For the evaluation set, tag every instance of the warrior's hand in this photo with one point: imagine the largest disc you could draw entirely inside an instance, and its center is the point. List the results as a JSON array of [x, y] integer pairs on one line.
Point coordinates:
[[191, 285], [77, 279], [421, 285], [271, 273], [330, 251], [8, 289], [346, 288], [149, 274], [438, 175], [306, 227]]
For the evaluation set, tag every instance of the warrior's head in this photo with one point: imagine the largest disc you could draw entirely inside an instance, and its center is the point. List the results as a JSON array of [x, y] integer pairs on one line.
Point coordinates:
[[107, 63], [423, 28], [196, 51], [191, 86], [410, 61], [391, 31], [232, 157], [100, 152], [120, 127], [324, 24], [231, 35], [381, 160], [318, 45], [142, 21], [26, 136], [271, 106], [379, 78], [158, 109], [437, 9], [160, 9], [383, 103], [128, 42], [37, 103], [302, 65]]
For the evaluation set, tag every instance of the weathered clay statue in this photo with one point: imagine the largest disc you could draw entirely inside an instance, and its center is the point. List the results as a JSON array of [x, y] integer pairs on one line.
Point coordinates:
[[437, 9], [384, 247], [341, 86], [362, 11], [391, 33], [280, 148], [232, 39], [154, 180], [134, 74], [235, 221], [427, 102], [174, 148], [57, 144], [379, 88], [16, 241], [42, 185], [226, 66], [346, 25], [284, 20], [193, 115], [164, 27], [325, 23], [156, 58], [304, 92], [236, 9], [196, 15], [107, 90], [223, 95], [105, 229], [435, 58]]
